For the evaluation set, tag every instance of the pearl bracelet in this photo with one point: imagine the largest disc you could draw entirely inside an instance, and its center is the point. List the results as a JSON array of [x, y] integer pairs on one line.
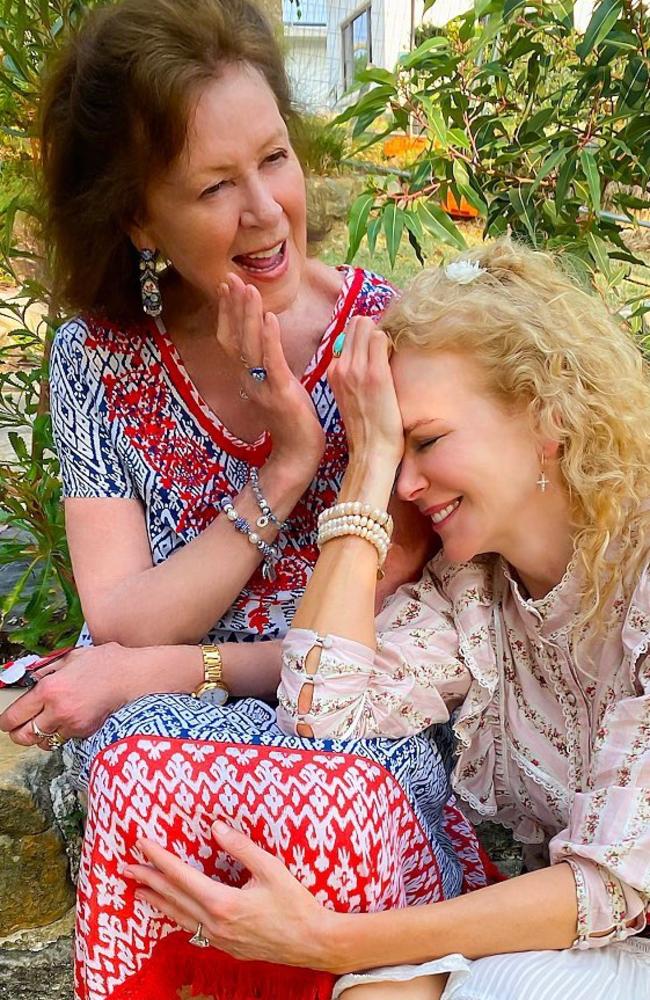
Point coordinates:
[[341, 526], [363, 513], [270, 552]]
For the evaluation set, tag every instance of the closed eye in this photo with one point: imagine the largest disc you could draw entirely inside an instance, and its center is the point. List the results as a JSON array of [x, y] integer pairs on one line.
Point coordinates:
[[423, 445]]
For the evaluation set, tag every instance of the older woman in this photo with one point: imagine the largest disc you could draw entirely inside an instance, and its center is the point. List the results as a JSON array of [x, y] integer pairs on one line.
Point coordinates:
[[178, 222], [516, 411]]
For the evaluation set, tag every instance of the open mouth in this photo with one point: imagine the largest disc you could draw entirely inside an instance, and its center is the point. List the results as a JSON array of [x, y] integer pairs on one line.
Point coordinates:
[[263, 261], [439, 516]]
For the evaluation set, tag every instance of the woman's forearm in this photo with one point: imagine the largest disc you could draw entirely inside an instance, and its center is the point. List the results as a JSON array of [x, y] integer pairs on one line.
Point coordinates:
[[180, 600], [249, 669], [534, 912], [340, 596]]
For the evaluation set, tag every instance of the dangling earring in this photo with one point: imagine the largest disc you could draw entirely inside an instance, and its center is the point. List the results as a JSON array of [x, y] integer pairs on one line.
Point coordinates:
[[149, 286], [543, 482]]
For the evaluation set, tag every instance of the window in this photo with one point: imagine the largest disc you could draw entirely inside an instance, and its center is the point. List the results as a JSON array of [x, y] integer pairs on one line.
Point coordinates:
[[357, 45]]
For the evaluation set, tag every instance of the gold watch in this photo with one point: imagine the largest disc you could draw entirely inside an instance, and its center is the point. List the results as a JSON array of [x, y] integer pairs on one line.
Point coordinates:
[[212, 670]]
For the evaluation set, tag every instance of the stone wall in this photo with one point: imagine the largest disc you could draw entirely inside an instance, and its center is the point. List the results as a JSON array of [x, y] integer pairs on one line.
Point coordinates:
[[36, 890]]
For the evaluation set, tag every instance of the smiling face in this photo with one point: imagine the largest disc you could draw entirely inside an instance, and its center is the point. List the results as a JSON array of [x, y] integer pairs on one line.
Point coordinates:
[[468, 463], [234, 201]]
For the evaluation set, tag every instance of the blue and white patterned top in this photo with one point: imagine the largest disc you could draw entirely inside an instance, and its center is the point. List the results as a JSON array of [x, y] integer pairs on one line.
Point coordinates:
[[129, 423]]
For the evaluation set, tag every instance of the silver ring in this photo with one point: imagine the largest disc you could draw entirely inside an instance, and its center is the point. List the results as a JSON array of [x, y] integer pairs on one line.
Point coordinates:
[[258, 374], [199, 940]]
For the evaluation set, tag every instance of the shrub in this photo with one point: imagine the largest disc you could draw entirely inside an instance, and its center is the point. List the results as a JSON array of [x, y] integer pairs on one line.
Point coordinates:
[[532, 124]]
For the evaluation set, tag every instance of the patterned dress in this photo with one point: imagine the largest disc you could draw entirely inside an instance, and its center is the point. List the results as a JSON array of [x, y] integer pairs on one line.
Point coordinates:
[[365, 824], [552, 723], [129, 423]]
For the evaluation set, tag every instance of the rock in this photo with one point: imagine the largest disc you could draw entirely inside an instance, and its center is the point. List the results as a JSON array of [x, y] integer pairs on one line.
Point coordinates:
[[25, 775], [503, 850], [37, 965], [34, 885], [329, 200]]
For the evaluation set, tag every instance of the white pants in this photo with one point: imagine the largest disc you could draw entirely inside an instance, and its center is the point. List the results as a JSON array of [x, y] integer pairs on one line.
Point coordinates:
[[616, 972]]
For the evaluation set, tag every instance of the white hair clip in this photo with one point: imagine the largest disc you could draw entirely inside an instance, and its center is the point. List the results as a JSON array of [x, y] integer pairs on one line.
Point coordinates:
[[464, 271]]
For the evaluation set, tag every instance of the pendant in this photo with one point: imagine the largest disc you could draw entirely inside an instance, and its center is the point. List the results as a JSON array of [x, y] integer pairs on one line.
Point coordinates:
[[268, 572]]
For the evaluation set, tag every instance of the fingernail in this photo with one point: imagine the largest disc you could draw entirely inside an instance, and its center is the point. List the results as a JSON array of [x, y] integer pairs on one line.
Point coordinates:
[[128, 872], [220, 828], [139, 894]]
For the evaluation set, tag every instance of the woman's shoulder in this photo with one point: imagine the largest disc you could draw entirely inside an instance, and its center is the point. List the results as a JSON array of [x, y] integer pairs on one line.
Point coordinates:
[[370, 292], [465, 584]]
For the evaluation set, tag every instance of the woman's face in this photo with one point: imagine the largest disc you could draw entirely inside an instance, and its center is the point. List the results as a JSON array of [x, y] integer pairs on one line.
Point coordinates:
[[468, 464], [234, 201]]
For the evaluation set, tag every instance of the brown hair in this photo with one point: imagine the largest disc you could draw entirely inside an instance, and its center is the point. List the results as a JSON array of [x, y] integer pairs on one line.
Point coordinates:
[[115, 112]]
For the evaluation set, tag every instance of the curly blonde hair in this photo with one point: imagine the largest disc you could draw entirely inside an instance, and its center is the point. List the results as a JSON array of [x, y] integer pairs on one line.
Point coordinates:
[[551, 348]]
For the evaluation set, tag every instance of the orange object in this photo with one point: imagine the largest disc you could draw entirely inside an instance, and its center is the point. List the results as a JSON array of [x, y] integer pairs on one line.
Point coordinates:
[[462, 211], [408, 147], [398, 145]]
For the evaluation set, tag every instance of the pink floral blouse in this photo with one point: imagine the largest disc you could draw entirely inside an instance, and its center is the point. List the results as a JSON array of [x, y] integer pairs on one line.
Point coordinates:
[[553, 736]]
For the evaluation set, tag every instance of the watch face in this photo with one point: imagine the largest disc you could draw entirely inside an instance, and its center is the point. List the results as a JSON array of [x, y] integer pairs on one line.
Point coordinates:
[[216, 696]]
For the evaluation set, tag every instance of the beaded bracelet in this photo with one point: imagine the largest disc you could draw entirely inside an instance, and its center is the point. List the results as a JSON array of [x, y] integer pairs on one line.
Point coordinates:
[[363, 513], [339, 527], [267, 514], [270, 552]]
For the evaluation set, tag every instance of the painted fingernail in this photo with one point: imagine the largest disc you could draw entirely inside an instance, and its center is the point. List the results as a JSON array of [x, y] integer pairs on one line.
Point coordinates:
[[337, 349]]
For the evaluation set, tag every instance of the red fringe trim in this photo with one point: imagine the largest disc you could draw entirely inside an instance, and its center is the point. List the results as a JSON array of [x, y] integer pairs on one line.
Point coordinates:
[[178, 970]]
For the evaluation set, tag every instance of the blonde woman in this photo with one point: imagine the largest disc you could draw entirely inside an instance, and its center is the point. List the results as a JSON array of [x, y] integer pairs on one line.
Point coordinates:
[[516, 412]]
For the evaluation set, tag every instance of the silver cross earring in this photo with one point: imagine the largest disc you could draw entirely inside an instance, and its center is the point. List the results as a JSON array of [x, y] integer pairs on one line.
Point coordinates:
[[543, 482]]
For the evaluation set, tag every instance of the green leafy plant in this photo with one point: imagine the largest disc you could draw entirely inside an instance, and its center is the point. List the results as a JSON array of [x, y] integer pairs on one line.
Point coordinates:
[[319, 143], [544, 131], [39, 607]]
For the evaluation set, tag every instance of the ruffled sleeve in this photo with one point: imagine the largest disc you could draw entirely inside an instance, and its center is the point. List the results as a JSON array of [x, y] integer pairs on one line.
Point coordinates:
[[607, 841], [414, 678]]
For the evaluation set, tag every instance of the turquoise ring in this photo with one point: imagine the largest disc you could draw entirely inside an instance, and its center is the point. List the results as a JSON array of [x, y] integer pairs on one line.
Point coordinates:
[[337, 350]]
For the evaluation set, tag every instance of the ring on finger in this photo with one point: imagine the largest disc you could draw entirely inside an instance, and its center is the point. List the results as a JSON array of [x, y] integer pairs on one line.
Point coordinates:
[[243, 394], [258, 374], [199, 939], [337, 349], [55, 741], [40, 733]]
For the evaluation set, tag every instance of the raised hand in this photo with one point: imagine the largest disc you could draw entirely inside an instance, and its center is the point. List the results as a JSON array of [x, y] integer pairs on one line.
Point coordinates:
[[363, 386], [253, 338]]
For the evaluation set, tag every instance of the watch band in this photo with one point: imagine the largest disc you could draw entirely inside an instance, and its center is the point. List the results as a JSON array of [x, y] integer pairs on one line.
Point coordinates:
[[212, 670]]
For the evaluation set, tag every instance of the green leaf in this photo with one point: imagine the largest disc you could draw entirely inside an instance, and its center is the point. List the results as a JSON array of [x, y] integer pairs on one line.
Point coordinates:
[[549, 164], [600, 254], [375, 74], [393, 221], [357, 223], [602, 21], [435, 45], [438, 125], [590, 168], [373, 232], [564, 178], [522, 210], [438, 223]]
